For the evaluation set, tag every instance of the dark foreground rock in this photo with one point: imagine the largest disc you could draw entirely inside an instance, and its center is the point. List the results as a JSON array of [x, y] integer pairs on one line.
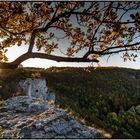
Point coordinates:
[[53, 123]]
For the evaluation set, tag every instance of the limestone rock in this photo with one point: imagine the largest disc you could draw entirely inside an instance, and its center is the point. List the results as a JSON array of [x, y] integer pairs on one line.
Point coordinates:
[[32, 116], [26, 104], [53, 123], [36, 88]]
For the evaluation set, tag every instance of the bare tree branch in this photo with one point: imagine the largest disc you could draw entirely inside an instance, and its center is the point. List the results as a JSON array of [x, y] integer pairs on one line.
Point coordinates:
[[106, 51], [123, 50], [28, 55], [32, 42]]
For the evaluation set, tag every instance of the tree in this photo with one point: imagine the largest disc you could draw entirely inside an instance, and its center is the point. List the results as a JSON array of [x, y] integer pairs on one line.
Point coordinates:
[[93, 28]]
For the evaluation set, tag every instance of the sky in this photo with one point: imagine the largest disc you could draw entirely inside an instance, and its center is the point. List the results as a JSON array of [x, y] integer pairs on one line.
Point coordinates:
[[114, 60]]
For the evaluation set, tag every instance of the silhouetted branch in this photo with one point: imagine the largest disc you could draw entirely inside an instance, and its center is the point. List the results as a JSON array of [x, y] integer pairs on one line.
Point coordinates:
[[106, 51]]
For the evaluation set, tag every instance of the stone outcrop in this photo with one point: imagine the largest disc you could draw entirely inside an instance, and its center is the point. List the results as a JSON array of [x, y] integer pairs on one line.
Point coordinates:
[[26, 104], [35, 116], [53, 123], [38, 98], [34, 87]]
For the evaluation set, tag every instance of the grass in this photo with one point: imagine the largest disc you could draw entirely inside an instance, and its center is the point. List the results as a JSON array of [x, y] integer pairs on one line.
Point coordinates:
[[106, 97]]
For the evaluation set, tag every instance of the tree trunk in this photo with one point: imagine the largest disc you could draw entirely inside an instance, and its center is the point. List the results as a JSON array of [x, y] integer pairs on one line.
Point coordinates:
[[14, 64], [8, 65], [28, 55]]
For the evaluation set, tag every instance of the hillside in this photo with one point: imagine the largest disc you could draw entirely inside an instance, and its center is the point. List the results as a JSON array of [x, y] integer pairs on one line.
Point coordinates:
[[109, 98]]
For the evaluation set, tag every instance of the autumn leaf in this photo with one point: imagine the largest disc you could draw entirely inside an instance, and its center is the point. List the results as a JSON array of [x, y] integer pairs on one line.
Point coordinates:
[[5, 58], [39, 44], [19, 43], [55, 46], [1, 55]]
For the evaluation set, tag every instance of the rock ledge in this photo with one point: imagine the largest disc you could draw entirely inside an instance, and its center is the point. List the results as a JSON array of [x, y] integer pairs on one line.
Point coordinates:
[[52, 123]]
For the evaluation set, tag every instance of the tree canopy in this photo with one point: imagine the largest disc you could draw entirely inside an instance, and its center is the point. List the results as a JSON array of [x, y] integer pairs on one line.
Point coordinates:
[[93, 28]]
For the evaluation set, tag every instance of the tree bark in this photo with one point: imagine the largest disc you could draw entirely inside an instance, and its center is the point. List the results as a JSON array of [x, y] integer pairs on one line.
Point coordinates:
[[7, 65], [28, 55]]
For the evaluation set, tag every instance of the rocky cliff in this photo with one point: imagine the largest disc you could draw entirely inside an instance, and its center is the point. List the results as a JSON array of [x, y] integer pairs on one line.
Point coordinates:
[[35, 116]]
